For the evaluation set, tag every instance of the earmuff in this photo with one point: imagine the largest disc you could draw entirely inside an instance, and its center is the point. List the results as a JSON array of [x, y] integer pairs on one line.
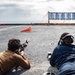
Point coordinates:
[[68, 35]]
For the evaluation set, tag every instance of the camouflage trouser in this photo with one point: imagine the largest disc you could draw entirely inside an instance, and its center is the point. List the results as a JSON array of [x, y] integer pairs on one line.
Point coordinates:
[[67, 69]]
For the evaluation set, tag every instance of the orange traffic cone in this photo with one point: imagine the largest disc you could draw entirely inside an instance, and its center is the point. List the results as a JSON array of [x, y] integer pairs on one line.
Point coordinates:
[[28, 29]]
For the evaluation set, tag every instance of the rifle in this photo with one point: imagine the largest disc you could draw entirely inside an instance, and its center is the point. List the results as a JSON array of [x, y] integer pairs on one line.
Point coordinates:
[[22, 47]]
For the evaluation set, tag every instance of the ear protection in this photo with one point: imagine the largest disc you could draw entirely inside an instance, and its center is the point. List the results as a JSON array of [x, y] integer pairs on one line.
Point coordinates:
[[68, 35]]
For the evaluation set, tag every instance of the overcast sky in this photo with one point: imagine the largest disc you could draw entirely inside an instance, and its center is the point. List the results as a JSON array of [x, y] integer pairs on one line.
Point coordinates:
[[30, 11]]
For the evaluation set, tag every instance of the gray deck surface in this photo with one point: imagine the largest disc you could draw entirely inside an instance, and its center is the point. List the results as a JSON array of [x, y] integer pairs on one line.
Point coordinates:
[[42, 39]]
